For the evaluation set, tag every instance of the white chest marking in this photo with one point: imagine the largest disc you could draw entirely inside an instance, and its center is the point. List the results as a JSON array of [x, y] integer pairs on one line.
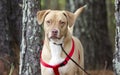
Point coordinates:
[[55, 54]]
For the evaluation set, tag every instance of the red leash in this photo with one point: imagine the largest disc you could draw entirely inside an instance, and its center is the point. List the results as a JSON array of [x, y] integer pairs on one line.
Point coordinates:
[[55, 67]]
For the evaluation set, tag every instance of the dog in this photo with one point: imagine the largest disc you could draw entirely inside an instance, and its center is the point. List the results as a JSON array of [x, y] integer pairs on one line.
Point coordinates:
[[58, 29]]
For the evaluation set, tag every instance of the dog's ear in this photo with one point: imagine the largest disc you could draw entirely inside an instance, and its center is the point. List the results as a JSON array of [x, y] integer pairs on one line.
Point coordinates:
[[78, 11], [73, 16], [70, 17], [41, 16]]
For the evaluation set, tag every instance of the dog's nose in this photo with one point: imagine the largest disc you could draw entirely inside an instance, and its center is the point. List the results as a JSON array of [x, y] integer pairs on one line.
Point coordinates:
[[54, 31]]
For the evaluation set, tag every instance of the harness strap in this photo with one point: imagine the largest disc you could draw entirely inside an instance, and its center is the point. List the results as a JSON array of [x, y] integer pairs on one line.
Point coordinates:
[[56, 71], [55, 67]]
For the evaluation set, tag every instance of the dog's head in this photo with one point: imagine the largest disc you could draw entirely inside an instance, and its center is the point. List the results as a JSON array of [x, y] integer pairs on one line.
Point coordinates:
[[56, 22]]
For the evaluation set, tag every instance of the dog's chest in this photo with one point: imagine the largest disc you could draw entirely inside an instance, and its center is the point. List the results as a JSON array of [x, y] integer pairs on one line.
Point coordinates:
[[56, 58], [55, 54]]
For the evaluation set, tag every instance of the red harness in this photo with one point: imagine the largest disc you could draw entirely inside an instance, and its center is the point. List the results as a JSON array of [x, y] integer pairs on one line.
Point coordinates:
[[55, 67]]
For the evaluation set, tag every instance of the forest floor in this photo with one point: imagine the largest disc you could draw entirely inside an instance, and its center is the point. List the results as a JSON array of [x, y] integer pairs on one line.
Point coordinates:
[[100, 72]]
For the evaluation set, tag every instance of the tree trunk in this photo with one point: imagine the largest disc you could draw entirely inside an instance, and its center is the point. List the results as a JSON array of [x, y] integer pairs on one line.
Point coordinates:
[[4, 28], [10, 22], [116, 60], [15, 21], [91, 29], [5, 38], [30, 46]]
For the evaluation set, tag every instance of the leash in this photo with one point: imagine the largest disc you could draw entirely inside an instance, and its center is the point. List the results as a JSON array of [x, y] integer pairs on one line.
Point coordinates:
[[73, 60]]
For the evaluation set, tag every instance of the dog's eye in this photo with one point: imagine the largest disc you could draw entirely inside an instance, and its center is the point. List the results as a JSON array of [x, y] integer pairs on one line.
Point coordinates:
[[48, 21], [62, 22]]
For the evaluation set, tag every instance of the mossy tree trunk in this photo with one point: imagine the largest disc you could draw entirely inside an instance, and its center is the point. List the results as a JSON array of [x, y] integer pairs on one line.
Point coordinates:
[[30, 46]]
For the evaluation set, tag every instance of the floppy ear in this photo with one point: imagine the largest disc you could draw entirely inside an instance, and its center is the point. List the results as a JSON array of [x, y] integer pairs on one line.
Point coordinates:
[[70, 17], [41, 16]]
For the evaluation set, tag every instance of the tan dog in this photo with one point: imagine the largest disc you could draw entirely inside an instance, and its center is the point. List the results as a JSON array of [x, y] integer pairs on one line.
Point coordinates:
[[58, 27]]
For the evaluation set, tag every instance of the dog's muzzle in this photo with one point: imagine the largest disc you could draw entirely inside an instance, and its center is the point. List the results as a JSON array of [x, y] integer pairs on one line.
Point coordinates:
[[54, 34]]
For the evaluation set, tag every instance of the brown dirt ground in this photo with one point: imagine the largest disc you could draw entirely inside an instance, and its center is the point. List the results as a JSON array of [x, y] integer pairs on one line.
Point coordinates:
[[101, 72]]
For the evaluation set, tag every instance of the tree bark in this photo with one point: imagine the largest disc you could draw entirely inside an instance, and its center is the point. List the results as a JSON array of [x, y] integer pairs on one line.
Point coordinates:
[[116, 60], [4, 28], [30, 46], [15, 20], [10, 22], [91, 29]]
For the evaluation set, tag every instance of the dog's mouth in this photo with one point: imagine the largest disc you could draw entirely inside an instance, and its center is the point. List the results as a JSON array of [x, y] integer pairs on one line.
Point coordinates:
[[54, 36], [56, 39]]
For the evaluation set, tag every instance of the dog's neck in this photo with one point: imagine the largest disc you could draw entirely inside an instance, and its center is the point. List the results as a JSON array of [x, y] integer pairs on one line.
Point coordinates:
[[55, 50]]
